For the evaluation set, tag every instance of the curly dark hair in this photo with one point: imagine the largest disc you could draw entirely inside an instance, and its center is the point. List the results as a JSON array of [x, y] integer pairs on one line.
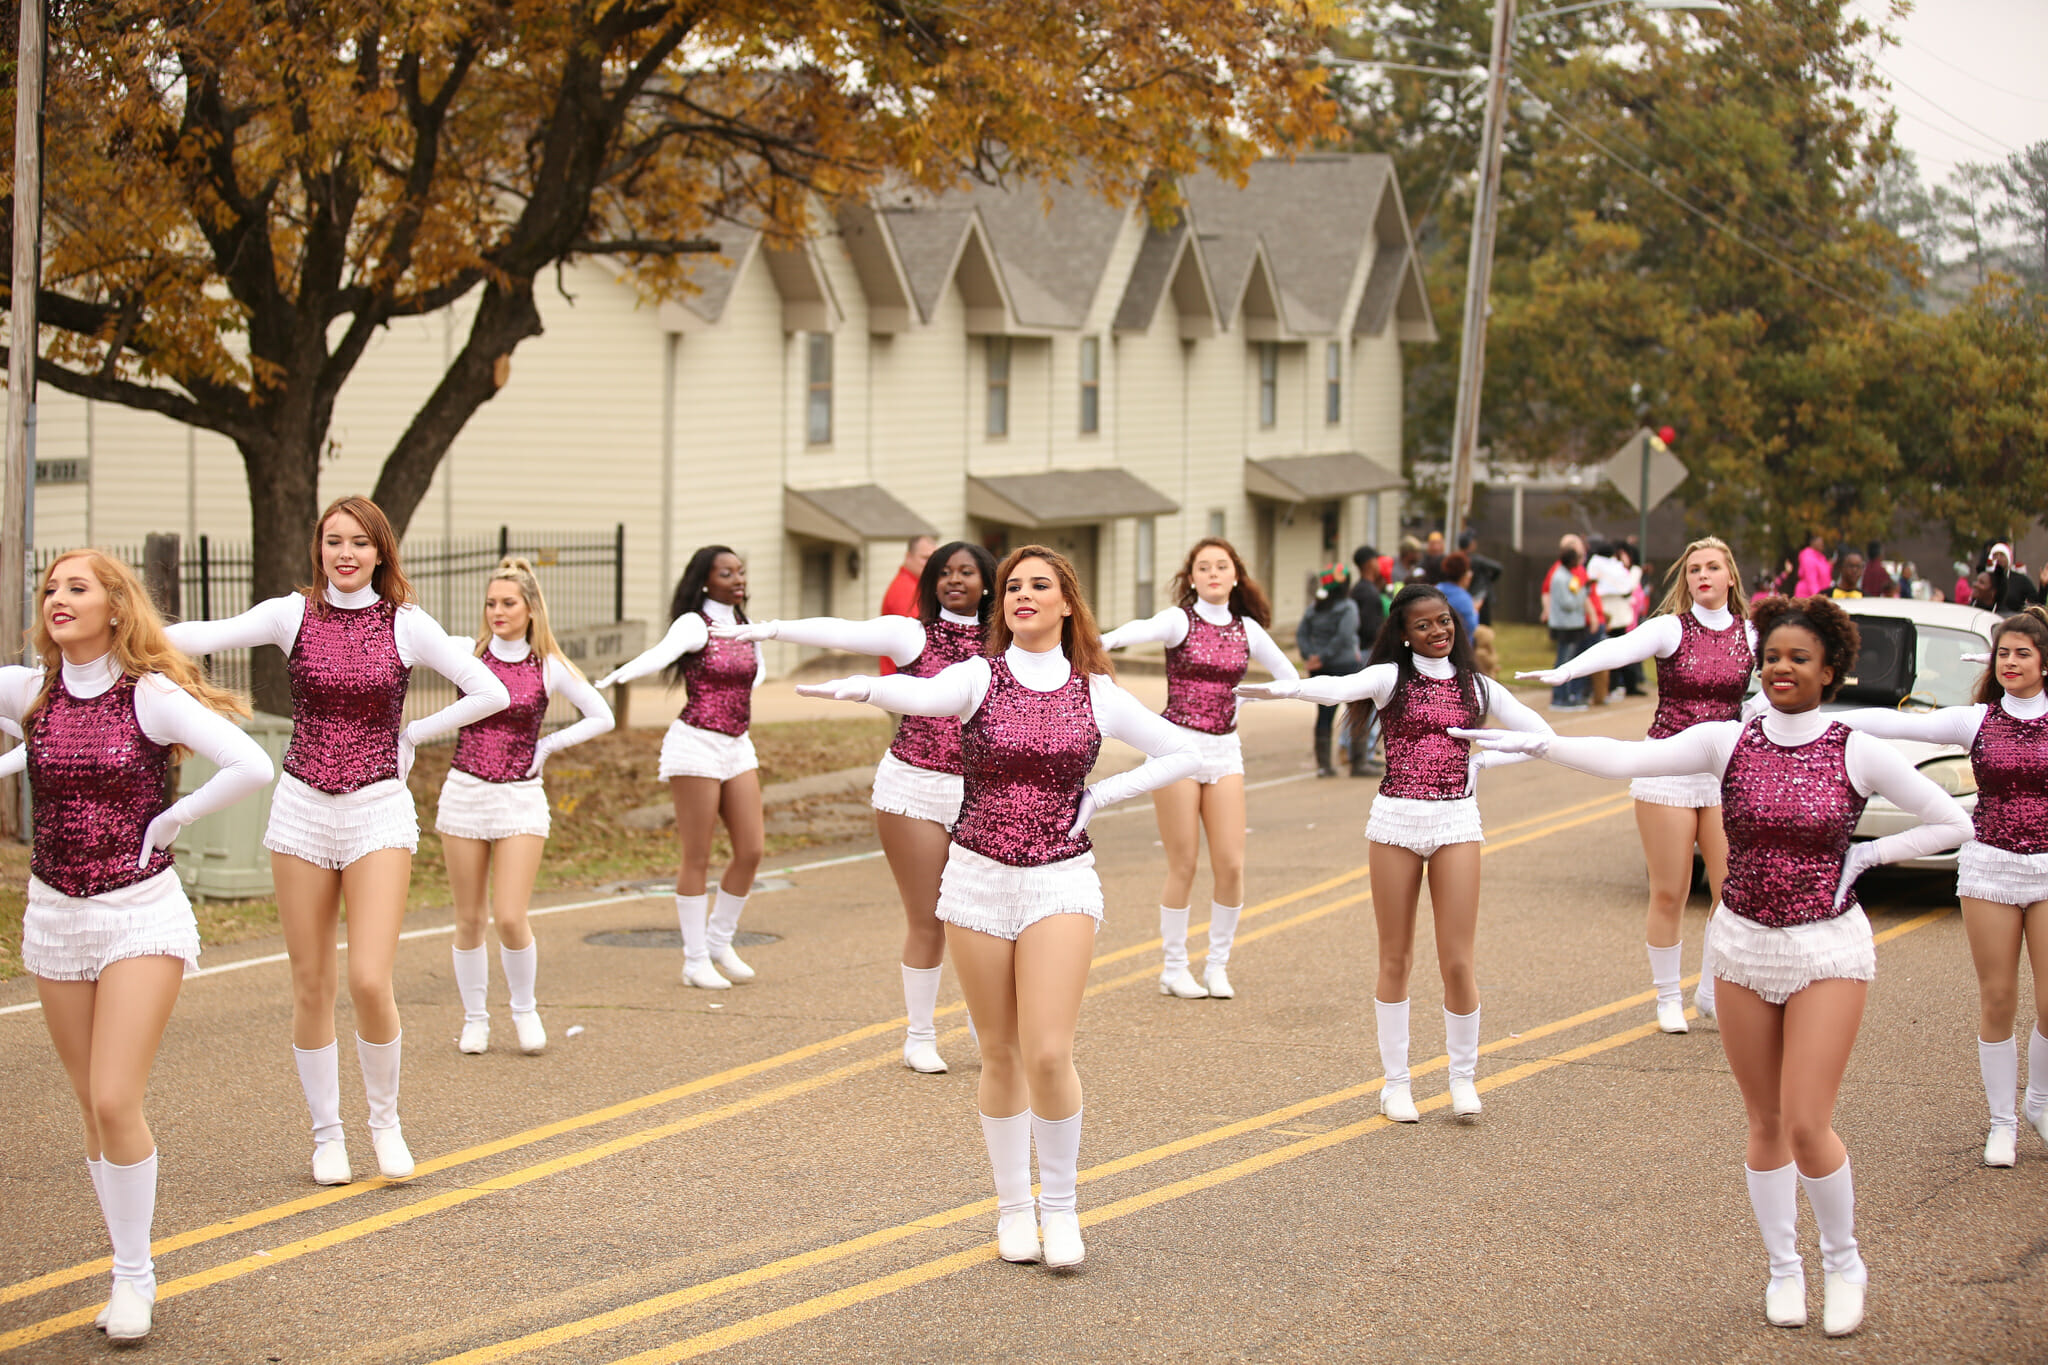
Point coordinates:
[[1825, 620]]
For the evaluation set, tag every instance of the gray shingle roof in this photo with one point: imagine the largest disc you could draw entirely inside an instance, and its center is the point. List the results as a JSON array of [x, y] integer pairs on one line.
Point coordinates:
[[1053, 244], [714, 276], [1316, 216], [928, 243]]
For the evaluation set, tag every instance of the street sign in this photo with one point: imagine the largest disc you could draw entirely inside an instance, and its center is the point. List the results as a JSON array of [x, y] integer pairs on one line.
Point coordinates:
[[1625, 470]]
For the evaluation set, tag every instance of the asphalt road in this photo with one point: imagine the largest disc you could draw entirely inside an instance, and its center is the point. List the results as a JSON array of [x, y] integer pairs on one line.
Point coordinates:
[[753, 1173]]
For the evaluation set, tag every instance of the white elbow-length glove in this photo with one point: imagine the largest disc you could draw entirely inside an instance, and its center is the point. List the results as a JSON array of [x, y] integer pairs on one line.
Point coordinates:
[[1506, 741], [1859, 860], [1549, 677], [837, 689], [1280, 689], [748, 632]]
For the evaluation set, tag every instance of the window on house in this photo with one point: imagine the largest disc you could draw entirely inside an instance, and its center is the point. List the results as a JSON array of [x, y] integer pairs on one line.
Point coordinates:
[[1333, 383], [998, 386], [1091, 384], [818, 407], [1269, 383], [1147, 550], [1216, 522]]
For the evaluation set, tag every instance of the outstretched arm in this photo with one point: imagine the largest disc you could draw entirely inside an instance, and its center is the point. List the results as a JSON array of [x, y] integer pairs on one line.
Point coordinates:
[[686, 635], [1700, 749], [1950, 725], [956, 690], [898, 638], [1658, 637], [1168, 628], [272, 622], [1376, 682]]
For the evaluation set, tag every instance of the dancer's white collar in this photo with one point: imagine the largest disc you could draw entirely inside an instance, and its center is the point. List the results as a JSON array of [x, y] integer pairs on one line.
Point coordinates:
[[509, 651], [1713, 618], [351, 601], [720, 612], [88, 680], [2019, 708], [1792, 731], [1216, 614], [955, 618], [1434, 668]]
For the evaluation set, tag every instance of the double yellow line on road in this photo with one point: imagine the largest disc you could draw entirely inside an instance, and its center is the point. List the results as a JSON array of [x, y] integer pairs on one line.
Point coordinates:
[[1551, 823]]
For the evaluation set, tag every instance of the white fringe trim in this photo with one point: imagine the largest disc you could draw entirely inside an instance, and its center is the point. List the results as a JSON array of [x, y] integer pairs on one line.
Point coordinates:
[[989, 897], [1694, 791], [1423, 827], [687, 751], [1999, 875], [70, 938], [920, 793], [333, 831], [471, 808], [1222, 755], [1779, 963]]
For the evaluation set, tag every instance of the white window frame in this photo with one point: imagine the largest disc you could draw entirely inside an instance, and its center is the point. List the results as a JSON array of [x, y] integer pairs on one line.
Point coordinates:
[[1269, 385], [1091, 385], [818, 388]]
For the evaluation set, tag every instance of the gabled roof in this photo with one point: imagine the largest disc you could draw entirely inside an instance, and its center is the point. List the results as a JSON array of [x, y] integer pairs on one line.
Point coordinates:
[[1170, 260], [808, 304]]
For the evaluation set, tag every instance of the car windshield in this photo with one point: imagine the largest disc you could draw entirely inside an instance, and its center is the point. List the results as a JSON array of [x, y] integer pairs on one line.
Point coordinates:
[[1940, 676]]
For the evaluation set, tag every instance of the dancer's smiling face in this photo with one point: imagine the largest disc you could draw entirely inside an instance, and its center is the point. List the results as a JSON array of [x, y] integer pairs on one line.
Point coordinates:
[[728, 582], [347, 554], [1430, 628], [78, 610], [2016, 659], [505, 608], [1034, 606], [1708, 577], [1795, 670], [960, 586]]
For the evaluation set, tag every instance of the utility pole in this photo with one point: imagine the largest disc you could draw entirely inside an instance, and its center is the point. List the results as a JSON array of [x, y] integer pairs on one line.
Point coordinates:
[[17, 511], [1479, 276]]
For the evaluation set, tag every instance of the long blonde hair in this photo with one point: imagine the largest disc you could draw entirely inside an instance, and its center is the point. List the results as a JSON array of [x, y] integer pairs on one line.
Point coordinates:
[[1079, 636], [140, 644], [540, 636], [1678, 592]]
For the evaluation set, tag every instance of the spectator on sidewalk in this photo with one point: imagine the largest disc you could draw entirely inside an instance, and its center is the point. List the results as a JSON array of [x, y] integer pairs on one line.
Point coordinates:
[[1327, 640], [1849, 582], [1877, 580], [1565, 604], [1816, 572], [1485, 573], [901, 597]]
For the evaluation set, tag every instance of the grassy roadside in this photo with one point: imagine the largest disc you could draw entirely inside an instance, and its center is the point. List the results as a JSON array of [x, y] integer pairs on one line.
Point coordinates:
[[591, 787]]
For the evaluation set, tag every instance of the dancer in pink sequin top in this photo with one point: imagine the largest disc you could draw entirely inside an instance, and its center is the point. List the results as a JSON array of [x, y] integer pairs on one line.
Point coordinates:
[[342, 821], [2002, 873], [1793, 783], [1212, 634], [107, 930], [493, 814], [1021, 901], [917, 784], [1421, 680], [707, 758], [1706, 654]]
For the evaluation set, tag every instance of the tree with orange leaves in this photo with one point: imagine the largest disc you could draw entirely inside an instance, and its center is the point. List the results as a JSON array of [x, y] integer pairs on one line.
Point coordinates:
[[240, 194]]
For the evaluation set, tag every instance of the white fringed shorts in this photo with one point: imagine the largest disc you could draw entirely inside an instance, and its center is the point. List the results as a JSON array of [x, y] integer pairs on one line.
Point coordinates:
[[472, 808], [1993, 874], [72, 938], [995, 898], [1423, 827], [687, 751], [333, 831], [1694, 790], [920, 793], [1222, 755], [1779, 963]]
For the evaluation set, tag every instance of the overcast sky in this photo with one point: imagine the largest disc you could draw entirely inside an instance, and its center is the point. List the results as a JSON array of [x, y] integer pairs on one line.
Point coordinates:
[[1966, 78]]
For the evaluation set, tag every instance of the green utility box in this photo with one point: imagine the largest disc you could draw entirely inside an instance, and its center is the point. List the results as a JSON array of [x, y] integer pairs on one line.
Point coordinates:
[[221, 856]]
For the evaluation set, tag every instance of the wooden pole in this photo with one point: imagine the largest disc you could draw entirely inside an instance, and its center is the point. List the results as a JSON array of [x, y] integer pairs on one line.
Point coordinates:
[[17, 504]]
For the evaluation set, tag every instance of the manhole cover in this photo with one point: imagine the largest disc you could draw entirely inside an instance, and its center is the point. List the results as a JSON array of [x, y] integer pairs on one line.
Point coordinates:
[[669, 938]]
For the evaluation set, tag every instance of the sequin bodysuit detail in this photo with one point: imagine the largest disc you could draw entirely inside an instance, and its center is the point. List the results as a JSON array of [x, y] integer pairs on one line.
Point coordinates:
[[2010, 758], [1026, 757], [1201, 671], [499, 748], [1424, 763], [720, 681], [97, 781], [933, 742], [1704, 678], [1788, 813], [348, 697]]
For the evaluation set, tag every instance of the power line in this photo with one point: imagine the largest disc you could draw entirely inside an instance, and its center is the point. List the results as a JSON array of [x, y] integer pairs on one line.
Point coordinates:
[[2032, 99], [1937, 106]]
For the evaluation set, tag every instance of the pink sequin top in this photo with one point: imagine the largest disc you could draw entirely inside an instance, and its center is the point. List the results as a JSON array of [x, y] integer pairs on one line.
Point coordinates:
[[1704, 678], [1788, 813], [1424, 763], [719, 680], [348, 697], [499, 748], [97, 781], [1201, 670], [1026, 757], [2010, 758], [933, 742]]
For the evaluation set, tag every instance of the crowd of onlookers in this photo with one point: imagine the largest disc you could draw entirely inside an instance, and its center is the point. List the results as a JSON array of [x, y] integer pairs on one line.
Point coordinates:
[[1994, 580], [1593, 589]]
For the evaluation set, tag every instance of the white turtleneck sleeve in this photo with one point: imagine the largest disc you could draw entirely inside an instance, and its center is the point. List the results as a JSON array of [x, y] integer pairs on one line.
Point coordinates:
[[272, 622], [1956, 725], [686, 635], [1169, 628], [900, 639], [564, 681]]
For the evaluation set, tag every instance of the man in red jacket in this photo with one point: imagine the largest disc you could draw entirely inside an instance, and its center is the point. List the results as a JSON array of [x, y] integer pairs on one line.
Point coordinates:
[[901, 598]]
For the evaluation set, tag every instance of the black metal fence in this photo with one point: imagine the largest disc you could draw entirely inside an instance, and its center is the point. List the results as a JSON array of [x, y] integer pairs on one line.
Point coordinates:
[[582, 573]]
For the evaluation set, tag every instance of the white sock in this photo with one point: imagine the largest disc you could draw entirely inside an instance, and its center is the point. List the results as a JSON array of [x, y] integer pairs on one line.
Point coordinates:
[[1834, 1208], [320, 1078], [1705, 990], [1665, 969], [1173, 934], [1222, 932], [472, 982], [1393, 1029], [2037, 1074], [92, 1168], [1009, 1156], [920, 998], [1461, 1041], [128, 1202], [725, 920], [690, 918], [1059, 1161], [1774, 1195], [2000, 1064], [521, 965], [380, 1078]]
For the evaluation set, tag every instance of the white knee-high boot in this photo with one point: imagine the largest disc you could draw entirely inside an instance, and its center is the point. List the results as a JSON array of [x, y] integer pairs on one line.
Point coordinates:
[[2037, 1081], [697, 968], [1009, 1157], [1396, 1098], [725, 922], [320, 1079], [1059, 1165], [1833, 1198], [1174, 976], [1222, 935], [1999, 1064], [473, 983], [1774, 1197], [920, 1002], [128, 1203], [380, 1064], [522, 969], [1461, 1042]]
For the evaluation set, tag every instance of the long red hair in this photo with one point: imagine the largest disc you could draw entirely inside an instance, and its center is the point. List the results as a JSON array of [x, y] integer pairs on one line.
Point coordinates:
[[1247, 598], [1079, 636], [387, 578]]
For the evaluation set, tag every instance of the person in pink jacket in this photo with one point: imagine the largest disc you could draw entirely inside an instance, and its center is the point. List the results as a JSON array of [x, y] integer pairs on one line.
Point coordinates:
[[1816, 573]]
